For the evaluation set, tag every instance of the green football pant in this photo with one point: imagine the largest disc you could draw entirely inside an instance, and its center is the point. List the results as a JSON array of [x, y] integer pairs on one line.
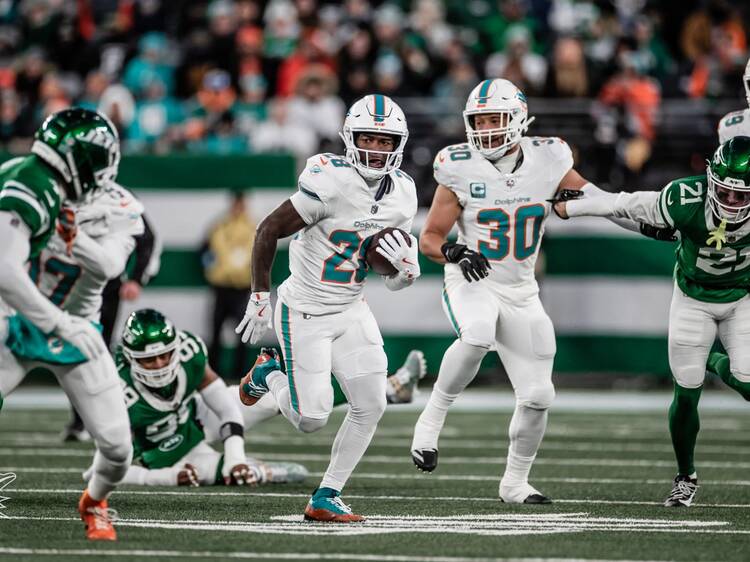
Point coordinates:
[[684, 426]]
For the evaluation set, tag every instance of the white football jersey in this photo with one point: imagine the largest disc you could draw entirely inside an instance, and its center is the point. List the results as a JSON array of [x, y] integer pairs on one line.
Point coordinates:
[[503, 215], [75, 282], [734, 124], [326, 258]]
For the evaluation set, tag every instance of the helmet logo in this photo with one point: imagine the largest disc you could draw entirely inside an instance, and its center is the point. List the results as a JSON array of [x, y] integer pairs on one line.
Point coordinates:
[[378, 111], [484, 93], [98, 137]]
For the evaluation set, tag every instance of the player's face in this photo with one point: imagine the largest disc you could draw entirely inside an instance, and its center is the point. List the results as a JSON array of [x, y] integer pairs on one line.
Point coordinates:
[[487, 122], [378, 144], [732, 198], [156, 362]]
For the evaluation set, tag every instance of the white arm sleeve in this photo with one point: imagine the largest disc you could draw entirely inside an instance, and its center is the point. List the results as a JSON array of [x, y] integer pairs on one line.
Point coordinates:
[[16, 287], [105, 257], [641, 206], [218, 398]]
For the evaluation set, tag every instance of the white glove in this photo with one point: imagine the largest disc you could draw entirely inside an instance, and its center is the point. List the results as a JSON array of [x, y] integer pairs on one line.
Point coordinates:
[[394, 247], [257, 319], [82, 334]]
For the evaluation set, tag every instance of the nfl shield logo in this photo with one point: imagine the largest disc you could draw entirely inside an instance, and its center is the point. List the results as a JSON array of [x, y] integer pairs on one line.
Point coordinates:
[[511, 182], [374, 209], [477, 190]]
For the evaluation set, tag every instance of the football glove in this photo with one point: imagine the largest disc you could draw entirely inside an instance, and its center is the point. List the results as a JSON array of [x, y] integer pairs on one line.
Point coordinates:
[[395, 248], [257, 319], [82, 334], [474, 266], [564, 195], [663, 234]]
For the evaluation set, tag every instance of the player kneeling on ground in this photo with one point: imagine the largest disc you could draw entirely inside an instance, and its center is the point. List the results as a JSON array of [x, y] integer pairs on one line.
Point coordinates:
[[167, 383]]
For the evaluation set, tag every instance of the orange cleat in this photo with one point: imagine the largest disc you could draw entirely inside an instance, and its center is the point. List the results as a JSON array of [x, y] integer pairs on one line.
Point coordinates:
[[98, 518], [253, 385], [326, 505]]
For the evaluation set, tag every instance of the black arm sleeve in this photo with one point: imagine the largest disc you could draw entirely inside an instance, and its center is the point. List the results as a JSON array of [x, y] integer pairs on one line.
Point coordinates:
[[144, 248]]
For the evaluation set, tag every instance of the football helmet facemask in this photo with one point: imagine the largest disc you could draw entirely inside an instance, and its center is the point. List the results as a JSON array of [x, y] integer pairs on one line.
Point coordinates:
[[148, 334], [729, 180]]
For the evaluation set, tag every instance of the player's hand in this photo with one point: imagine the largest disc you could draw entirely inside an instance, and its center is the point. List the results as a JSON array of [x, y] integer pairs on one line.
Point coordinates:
[[559, 199], [663, 234], [130, 290], [241, 475], [188, 476], [474, 266], [67, 228], [82, 334], [404, 257], [257, 319]]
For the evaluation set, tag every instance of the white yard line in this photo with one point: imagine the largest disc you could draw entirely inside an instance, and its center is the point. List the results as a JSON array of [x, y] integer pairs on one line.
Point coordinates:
[[200, 493], [268, 555]]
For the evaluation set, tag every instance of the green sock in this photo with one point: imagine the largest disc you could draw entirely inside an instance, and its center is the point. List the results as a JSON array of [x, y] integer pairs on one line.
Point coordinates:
[[684, 425], [718, 363]]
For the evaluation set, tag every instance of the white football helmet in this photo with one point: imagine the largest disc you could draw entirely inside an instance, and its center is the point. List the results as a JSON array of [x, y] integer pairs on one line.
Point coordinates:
[[375, 113], [746, 81], [496, 96]]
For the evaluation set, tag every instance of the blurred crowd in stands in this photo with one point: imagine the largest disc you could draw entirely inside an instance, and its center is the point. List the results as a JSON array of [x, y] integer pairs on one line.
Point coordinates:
[[235, 76]]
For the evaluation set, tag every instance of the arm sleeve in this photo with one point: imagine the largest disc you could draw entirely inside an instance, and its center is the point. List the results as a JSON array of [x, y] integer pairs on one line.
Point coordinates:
[[105, 258], [144, 250], [16, 287], [217, 397], [641, 206]]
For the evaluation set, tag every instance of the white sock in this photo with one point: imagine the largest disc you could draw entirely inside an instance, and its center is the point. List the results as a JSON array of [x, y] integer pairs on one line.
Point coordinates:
[[106, 475], [525, 431], [459, 367], [142, 476], [367, 403]]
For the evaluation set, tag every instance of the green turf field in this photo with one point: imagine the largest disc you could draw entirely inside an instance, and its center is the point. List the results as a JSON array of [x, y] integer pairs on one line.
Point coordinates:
[[608, 474]]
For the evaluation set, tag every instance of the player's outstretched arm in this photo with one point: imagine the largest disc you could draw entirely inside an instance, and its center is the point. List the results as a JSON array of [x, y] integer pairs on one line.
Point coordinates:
[[17, 289], [283, 221], [217, 397], [433, 241]]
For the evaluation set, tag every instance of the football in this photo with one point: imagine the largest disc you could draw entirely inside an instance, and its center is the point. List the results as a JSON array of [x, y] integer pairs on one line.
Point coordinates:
[[378, 263]]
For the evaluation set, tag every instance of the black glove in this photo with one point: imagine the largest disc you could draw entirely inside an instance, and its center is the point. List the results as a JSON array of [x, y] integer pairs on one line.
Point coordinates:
[[564, 195], [474, 266], [663, 234]]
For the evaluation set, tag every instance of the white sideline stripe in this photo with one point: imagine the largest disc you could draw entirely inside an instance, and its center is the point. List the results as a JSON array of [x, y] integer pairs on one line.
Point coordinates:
[[427, 477], [383, 459], [273, 555], [193, 492]]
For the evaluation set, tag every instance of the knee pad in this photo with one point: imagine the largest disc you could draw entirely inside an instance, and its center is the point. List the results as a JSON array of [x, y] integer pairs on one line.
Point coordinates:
[[479, 333], [370, 409], [537, 397], [308, 425], [114, 444]]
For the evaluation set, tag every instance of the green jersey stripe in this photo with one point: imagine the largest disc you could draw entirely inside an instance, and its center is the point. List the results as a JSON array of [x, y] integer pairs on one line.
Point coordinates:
[[11, 193], [286, 335], [664, 208]]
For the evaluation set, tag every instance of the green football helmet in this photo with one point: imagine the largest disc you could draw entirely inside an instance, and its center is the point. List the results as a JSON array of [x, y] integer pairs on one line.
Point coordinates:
[[82, 145], [729, 180], [148, 334]]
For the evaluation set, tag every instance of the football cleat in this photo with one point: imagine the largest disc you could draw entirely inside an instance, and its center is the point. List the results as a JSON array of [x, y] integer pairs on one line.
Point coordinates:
[[98, 518], [253, 385], [683, 492], [278, 472], [402, 384], [425, 459], [522, 494], [326, 505]]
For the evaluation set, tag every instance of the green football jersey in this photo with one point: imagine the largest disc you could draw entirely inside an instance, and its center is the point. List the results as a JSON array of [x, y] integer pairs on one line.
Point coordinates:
[[705, 272], [165, 430], [29, 188]]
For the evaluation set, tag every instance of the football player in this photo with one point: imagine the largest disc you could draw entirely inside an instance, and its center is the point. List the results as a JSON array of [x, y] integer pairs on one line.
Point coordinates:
[[495, 188], [172, 393], [75, 153], [322, 321], [710, 211], [737, 123]]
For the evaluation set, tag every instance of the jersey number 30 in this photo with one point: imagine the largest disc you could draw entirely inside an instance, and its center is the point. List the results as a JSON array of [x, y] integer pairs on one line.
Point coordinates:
[[498, 247]]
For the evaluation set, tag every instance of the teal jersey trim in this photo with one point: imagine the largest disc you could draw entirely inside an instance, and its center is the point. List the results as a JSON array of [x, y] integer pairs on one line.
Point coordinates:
[[309, 193], [27, 342], [451, 316], [286, 335]]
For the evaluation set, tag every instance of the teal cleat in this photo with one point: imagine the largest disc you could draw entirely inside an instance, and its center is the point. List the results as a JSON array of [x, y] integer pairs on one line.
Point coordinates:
[[326, 505], [253, 385]]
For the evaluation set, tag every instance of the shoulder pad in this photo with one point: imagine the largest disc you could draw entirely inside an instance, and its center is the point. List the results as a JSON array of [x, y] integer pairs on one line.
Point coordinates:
[[322, 175], [191, 346], [447, 165], [681, 198]]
